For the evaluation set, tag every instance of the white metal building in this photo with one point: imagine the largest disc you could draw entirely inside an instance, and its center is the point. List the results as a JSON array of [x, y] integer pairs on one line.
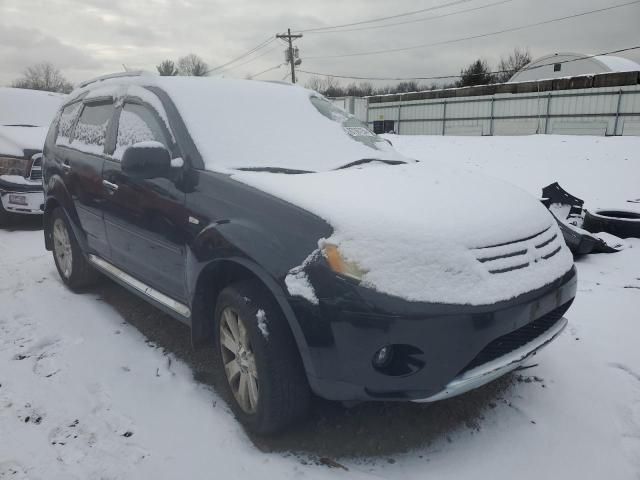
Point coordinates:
[[560, 65]]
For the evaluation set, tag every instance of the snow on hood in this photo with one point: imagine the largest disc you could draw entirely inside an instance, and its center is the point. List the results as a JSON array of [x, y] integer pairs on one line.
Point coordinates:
[[14, 140], [28, 107], [19, 107], [414, 228]]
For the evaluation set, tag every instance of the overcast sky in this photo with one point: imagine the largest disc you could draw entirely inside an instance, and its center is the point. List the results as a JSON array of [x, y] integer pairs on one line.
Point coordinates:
[[86, 38]]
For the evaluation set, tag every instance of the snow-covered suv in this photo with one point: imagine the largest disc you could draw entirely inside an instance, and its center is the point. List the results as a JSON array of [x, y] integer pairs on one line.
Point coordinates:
[[25, 116], [303, 248]]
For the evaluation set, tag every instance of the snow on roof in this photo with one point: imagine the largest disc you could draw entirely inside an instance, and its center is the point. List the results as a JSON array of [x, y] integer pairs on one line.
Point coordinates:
[[28, 107], [618, 64], [247, 123]]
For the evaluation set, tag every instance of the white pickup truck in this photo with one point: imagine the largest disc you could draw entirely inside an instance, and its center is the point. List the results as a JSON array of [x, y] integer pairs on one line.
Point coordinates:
[[25, 116]]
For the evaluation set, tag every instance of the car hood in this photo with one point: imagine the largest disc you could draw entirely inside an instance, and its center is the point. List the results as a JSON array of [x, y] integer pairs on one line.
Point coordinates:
[[426, 232], [15, 140]]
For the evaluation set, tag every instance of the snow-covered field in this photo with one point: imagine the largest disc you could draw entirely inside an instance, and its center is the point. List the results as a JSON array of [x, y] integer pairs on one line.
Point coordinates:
[[82, 395]]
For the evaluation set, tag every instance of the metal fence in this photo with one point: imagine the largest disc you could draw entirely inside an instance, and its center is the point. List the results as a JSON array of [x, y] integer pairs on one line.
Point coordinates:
[[587, 111]]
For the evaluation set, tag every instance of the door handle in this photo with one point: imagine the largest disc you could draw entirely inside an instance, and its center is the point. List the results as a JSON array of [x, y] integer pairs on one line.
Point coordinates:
[[110, 186], [66, 167]]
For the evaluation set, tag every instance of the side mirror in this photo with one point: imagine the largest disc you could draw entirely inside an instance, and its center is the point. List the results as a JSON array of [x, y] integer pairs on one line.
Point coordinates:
[[146, 160]]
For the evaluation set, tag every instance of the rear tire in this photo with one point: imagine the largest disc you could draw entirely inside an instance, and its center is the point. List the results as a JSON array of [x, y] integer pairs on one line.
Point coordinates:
[[74, 269], [260, 357]]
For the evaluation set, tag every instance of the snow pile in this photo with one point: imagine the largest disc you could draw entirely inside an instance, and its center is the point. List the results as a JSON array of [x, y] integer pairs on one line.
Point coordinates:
[[412, 227]]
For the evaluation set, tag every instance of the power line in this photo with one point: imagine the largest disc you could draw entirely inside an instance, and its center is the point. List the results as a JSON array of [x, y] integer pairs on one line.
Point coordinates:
[[483, 35], [445, 77], [390, 17], [277, 47], [374, 27], [246, 54], [267, 70]]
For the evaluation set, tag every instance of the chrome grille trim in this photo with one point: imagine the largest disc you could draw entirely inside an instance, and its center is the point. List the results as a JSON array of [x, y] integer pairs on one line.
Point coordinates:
[[518, 254]]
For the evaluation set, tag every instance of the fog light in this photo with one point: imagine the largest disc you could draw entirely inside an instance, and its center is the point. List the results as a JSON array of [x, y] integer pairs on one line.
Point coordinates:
[[382, 357]]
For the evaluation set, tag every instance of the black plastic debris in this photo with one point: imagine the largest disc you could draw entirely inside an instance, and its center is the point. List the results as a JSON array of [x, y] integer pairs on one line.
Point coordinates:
[[569, 214]]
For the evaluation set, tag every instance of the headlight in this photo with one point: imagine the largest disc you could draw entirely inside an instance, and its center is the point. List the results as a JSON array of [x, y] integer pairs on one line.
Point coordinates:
[[339, 265]]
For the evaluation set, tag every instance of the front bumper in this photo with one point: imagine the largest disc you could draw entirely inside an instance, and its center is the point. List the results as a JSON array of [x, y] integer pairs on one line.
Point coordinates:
[[451, 348], [25, 199], [498, 367]]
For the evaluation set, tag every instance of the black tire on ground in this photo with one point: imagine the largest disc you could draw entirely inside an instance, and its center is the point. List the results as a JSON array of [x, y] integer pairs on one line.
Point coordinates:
[[5, 217], [283, 393], [78, 273], [621, 223]]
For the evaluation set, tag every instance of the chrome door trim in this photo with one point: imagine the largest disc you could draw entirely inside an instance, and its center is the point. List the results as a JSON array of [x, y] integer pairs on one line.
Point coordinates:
[[139, 286]]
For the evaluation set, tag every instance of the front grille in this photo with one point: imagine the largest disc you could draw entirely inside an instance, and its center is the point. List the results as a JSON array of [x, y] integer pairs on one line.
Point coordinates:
[[35, 172], [516, 339], [518, 254]]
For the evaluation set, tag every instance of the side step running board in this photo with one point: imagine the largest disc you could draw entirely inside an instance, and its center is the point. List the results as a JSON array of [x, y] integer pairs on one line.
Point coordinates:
[[137, 285]]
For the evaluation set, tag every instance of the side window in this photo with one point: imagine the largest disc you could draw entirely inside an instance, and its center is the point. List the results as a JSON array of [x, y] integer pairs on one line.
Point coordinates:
[[65, 124], [138, 124], [91, 129]]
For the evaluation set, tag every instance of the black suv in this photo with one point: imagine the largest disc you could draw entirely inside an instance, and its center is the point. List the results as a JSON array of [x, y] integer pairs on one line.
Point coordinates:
[[230, 206]]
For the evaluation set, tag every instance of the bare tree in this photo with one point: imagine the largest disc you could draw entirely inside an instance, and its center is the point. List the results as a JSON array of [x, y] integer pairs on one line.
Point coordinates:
[[43, 76], [192, 65], [509, 65], [167, 68], [315, 83], [407, 86]]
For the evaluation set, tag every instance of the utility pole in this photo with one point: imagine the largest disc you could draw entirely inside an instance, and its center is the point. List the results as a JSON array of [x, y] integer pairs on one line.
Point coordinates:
[[292, 54]]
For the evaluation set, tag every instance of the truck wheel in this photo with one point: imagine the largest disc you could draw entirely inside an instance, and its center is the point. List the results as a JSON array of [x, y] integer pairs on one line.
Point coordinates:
[[259, 364], [5, 217], [73, 267]]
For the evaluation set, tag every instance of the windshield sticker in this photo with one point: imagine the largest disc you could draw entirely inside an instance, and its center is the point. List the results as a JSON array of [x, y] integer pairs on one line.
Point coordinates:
[[359, 132]]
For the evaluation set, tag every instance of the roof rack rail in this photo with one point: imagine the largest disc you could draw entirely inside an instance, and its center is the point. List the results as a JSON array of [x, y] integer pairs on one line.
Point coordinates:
[[136, 73]]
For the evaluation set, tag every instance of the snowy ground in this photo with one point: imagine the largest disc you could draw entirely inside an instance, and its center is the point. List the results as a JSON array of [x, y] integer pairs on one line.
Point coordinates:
[[85, 394]]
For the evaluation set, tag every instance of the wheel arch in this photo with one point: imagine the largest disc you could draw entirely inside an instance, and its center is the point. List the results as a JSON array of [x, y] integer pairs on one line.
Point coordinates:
[[57, 195], [217, 275]]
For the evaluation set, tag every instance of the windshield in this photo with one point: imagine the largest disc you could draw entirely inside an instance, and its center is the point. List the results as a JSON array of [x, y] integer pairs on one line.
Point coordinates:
[[352, 126], [19, 107], [241, 124]]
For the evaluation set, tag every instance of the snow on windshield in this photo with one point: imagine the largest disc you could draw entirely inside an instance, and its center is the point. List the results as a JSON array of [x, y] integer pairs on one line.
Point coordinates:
[[28, 107], [249, 124]]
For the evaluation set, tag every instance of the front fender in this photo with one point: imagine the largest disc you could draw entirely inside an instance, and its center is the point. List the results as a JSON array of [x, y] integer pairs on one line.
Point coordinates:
[[226, 245]]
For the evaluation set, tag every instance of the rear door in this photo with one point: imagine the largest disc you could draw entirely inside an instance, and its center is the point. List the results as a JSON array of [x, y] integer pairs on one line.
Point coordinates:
[[80, 151], [145, 219]]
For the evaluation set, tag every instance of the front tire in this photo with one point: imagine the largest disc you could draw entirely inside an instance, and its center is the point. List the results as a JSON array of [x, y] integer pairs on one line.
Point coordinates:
[[5, 217], [259, 364], [74, 269]]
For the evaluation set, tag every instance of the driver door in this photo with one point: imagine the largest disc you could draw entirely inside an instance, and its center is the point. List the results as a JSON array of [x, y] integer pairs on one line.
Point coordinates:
[[145, 219]]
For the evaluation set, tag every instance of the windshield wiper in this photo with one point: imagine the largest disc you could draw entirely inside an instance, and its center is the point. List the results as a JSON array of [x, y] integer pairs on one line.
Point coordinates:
[[289, 171], [369, 160]]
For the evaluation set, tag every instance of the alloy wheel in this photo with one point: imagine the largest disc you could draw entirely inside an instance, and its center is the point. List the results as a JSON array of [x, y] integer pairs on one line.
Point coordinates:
[[239, 360], [62, 247]]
